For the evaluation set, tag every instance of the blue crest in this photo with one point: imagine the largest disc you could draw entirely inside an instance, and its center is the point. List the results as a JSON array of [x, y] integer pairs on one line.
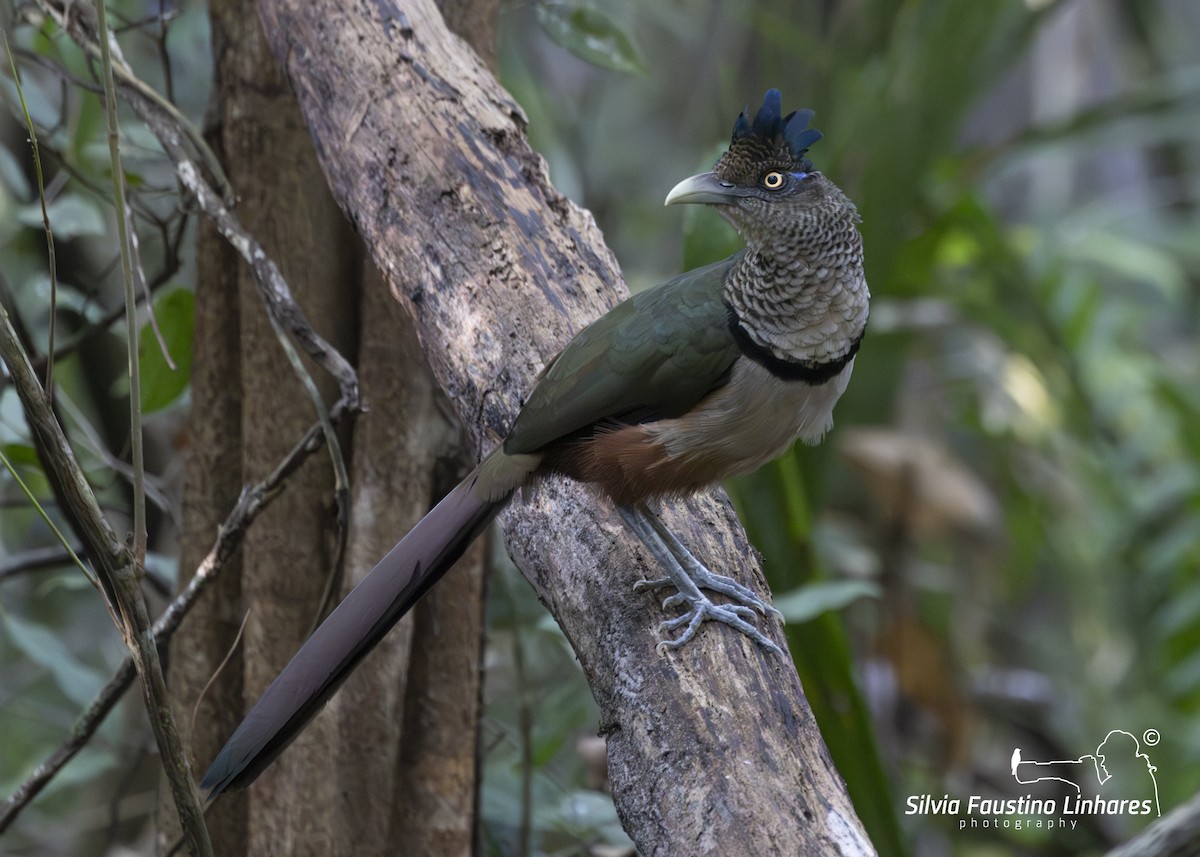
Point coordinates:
[[772, 127]]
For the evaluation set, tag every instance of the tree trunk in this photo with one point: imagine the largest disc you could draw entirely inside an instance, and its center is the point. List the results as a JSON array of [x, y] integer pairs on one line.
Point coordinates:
[[393, 758], [712, 749]]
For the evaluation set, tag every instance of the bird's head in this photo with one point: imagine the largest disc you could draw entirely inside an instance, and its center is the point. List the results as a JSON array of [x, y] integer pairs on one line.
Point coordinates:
[[764, 184]]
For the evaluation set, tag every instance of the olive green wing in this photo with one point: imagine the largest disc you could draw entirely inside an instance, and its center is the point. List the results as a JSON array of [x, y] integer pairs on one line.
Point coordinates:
[[652, 356]]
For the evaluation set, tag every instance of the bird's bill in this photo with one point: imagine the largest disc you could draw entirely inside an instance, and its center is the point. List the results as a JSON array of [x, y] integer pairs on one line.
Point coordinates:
[[705, 188]]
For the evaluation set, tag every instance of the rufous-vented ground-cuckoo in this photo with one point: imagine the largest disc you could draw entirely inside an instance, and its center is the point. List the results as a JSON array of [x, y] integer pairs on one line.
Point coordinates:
[[705, 376]]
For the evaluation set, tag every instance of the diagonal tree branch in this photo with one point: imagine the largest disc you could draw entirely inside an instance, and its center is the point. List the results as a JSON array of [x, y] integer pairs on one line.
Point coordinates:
[[1176, 834]]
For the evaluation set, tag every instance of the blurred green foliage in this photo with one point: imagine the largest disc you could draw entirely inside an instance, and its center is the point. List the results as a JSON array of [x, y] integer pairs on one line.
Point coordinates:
[[1014, 468], [997, 546], [58, 646]]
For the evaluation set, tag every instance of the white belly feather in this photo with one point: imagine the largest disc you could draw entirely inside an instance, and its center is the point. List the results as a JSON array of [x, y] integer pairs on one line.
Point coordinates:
[[752, 419]]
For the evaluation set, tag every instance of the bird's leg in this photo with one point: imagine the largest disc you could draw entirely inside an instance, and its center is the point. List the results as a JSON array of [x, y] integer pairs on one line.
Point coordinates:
[[688, 575], [704, 578]]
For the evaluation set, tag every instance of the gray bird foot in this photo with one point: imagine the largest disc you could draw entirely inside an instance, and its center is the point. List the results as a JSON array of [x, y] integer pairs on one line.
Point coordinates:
[[705, 579], [687, 575], [703, 610]]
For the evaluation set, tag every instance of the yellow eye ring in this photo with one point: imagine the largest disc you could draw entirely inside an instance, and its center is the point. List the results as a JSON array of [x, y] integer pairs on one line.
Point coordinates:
[[773, 180]]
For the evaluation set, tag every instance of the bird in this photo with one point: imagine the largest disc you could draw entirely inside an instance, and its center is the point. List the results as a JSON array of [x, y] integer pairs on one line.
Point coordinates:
[[705, 376]]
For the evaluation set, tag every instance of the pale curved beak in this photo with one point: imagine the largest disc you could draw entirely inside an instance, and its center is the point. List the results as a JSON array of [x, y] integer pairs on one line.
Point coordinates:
[[705, 188]]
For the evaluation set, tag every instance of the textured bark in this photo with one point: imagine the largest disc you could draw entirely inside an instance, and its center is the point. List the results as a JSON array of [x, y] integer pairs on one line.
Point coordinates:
[[212, 480], [404, 748], [248, 409], [286, 556], [712, 749], [359, 779]]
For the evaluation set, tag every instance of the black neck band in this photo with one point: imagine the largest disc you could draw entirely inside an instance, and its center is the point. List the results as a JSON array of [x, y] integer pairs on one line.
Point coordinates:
[[812, 372]]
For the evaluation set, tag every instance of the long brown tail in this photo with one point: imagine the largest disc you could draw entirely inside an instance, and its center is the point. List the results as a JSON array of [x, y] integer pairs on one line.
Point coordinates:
[[350, 632]]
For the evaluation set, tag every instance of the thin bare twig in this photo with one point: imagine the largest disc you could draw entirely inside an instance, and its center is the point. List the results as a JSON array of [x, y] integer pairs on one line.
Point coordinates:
[[176, 136], [79, 22], [131, 603], [125, 245], [91, 439], [286, 316], [170, 239], [100, 325], [203, 695], [41, 185], [36, 559], [140, 275]]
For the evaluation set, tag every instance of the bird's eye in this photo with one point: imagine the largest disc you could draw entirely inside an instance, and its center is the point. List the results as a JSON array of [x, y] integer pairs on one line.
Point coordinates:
[[773, 180]]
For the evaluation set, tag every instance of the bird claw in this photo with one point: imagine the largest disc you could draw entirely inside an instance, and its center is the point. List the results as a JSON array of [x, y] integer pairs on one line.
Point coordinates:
[[688, 576], [733, 615], [705, 579], [688, 618], [674, 600]]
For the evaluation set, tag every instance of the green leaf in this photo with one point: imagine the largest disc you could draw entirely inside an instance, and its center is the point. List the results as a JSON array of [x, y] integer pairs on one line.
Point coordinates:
[[162, 385], [22, 454], [24, 459], [590, 34], [76, 681], [810, 601], [71, 216]]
